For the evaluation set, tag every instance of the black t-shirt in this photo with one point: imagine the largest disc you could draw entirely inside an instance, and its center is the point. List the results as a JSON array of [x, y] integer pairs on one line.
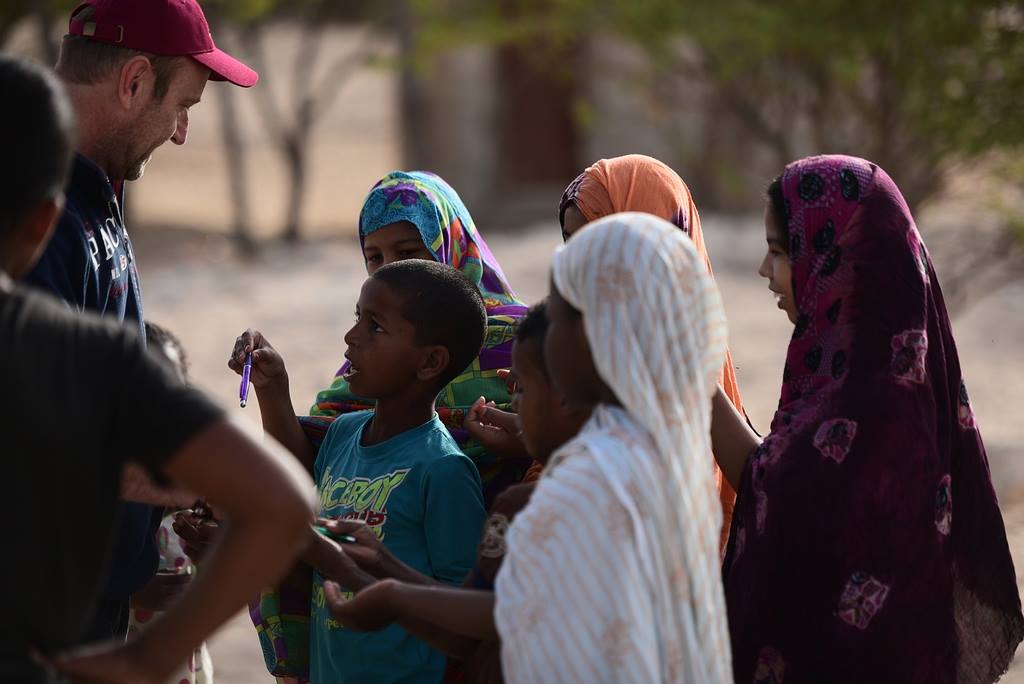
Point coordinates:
[[80, 396]]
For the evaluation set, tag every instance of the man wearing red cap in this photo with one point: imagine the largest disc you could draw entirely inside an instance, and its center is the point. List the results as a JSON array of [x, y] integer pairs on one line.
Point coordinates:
[[132, 70]]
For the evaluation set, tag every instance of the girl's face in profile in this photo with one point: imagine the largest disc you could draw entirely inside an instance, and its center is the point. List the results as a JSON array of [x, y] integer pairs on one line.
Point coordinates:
[[776, 266], [573, 220]]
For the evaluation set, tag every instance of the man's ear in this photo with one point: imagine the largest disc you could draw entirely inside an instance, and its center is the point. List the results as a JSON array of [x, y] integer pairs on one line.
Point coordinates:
[[433, 363], [31, 238], [135, 82]]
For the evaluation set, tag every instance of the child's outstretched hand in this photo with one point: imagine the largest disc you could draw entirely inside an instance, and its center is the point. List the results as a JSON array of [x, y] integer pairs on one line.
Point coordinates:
[[496, 430], [327, 557], [267, 365], [369, 553], [370, 610], [198, 535]]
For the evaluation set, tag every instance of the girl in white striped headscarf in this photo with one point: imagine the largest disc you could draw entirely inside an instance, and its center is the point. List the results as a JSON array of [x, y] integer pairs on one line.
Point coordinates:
[[612, 571]]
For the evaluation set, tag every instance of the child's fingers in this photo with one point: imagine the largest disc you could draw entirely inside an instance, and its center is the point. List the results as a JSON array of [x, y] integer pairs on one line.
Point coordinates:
[[474, 410], [247, 342], [332, 594], [182, 527], [264, 358], [501, 419], [493, 438], [477, 430], [510, 380], [257, 341], [233, 362], [242, 344], [341, 526]]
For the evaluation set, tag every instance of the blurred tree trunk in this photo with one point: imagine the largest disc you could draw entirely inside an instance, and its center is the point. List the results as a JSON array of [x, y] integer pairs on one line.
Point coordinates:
[[46, 28], [295, 149], [308, 100], [234, 149], [11, 12], [413, 100], [235, 161], [535, 103]]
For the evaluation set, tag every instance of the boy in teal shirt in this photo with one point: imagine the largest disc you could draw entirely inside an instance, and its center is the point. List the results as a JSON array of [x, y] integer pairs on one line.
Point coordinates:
[[419, 325]]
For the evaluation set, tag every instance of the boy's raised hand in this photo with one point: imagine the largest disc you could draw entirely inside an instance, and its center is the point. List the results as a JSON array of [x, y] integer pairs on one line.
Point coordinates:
[[267, 365], [269, 377]]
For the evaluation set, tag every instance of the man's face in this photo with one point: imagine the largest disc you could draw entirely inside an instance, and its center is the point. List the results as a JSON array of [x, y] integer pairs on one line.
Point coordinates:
[[164, 119]]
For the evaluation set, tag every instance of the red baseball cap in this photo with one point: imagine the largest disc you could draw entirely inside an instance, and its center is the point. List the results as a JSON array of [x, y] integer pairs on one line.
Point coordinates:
[[174, 28]]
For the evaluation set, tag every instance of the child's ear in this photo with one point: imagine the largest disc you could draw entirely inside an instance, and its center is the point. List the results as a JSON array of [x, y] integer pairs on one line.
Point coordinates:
[[433, 363]]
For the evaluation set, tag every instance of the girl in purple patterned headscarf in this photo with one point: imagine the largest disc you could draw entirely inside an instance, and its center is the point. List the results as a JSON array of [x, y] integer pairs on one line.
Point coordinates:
[[867, 543]]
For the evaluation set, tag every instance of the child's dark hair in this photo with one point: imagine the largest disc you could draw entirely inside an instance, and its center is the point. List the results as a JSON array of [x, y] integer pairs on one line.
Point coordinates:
[[158, 337], [443, 306], [37, 149], [533, 326], [777, 201]]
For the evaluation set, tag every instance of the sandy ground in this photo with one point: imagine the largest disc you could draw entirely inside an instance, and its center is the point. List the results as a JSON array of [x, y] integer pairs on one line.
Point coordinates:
[[302, 300]]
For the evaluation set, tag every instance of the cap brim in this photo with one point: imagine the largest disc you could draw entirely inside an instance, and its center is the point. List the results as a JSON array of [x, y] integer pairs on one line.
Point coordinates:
[[224, 67]]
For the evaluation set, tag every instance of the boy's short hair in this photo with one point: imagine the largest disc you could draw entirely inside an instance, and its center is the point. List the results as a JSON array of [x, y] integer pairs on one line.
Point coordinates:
[[534, 326], [38, 120], [443, 306]]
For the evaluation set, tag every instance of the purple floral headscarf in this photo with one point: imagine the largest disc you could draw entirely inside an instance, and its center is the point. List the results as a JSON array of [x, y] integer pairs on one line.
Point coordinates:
[[867, 543]]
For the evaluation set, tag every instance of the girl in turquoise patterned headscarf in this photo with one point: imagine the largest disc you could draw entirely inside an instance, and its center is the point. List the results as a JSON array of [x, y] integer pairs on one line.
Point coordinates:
[[446, 228]]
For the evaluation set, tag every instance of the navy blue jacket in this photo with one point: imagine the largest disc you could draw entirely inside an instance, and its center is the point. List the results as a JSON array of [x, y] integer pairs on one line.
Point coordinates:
[[90, 265]]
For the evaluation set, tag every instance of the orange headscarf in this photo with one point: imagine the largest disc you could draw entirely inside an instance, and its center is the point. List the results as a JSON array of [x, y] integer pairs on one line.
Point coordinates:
[[637, 182]]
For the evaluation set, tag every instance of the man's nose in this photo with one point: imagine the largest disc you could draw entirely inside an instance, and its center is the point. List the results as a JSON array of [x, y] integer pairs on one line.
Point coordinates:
[[181, 129]]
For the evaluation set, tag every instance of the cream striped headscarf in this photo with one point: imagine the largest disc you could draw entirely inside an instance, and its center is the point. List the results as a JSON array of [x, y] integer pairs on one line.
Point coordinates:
[[612, 571]]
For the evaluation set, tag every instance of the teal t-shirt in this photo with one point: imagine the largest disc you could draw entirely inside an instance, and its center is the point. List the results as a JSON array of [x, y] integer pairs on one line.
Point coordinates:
[[422, 497]]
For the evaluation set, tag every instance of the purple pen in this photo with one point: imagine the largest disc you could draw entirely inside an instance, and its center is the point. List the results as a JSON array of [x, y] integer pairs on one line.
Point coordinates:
[[243, 391]]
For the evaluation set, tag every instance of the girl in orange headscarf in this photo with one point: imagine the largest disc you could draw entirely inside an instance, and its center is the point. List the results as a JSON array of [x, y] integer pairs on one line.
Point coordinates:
[[637, 182]]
